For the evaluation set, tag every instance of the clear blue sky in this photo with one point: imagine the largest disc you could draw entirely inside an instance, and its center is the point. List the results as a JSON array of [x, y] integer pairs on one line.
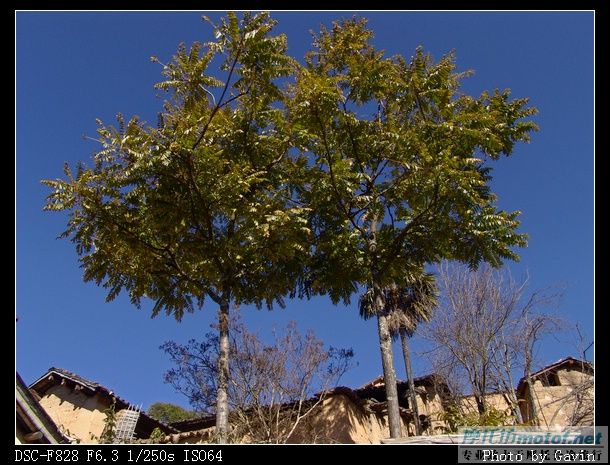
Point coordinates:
[[74, 67]]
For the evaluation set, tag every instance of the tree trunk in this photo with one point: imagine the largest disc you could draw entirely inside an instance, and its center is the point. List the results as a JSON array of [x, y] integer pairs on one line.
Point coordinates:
[[412, 395], [389, 375], [534, 420], [222, 399], [478, 388], [480, 400], [385, 341], [511, 399]]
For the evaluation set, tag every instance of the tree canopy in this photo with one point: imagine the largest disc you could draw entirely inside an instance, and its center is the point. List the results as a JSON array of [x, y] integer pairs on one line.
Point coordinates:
[[196, 206], [267, 176], [397, 156], [169, 413]]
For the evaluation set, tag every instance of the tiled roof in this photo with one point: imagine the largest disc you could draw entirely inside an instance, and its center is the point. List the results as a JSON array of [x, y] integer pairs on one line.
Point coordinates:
[[375, 390], [197, 435], [429, 379], [194, 423]]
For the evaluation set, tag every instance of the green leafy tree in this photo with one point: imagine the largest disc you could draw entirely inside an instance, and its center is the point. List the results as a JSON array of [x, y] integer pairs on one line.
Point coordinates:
[[196, 207], [170, 413], [394, 164]]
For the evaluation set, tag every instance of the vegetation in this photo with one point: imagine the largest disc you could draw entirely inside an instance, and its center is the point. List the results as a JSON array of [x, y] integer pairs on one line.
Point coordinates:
[[486, 331], [108, 434], [353, 176], [414, 305], [274, 387], [395, 170], [455, 418], [196, 207], [170, 413], [404, 309], [156, 434]]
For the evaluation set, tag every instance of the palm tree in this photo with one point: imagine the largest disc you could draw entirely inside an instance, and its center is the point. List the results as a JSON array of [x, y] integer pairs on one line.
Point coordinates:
[[372, 304], [409, 306], [403, 309]]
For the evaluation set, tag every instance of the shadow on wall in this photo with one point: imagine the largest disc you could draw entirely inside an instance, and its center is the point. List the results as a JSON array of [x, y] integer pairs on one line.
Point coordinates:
[[341, 421]]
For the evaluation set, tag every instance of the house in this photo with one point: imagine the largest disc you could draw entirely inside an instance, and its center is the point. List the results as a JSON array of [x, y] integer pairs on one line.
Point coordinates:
[[562, 394], [432, 395], [33, 425], [80, 407], [559, 394], [344, 415], [359, 416]]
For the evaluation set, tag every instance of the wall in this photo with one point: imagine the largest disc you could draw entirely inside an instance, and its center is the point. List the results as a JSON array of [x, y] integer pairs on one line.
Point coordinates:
[[432, 406], [78, 415], [495, 400], [572, 377], [558, 405], [341, 421]]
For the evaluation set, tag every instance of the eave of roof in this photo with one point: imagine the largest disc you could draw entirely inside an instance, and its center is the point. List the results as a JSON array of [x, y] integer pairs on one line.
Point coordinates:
[[44, 417], [43, 383], [202, 422], [559, 363]]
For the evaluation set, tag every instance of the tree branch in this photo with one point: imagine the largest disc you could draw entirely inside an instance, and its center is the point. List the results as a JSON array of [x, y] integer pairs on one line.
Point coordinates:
[[220, 104]]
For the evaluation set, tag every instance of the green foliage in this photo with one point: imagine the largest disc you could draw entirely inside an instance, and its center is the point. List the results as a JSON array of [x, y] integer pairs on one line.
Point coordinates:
[[169, 413], [363, 170], [395, 162], [156, 435], [454, 418], [108, 434], [405, 306], [393, 173], [198, 206]]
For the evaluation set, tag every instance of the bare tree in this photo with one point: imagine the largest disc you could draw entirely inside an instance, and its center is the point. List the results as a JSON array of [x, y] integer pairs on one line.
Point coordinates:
[[274, 387], [488, 325], [442, 363], [579, 399]]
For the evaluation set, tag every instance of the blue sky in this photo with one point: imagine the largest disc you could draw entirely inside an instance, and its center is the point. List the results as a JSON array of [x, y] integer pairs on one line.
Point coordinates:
[[75, 67]]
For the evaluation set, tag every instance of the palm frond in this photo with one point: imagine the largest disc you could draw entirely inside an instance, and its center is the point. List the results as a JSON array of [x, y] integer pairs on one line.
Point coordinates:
[[405, 306]]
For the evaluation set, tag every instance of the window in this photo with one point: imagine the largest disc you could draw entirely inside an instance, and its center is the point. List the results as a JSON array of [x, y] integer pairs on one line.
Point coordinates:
[[550, 379]]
